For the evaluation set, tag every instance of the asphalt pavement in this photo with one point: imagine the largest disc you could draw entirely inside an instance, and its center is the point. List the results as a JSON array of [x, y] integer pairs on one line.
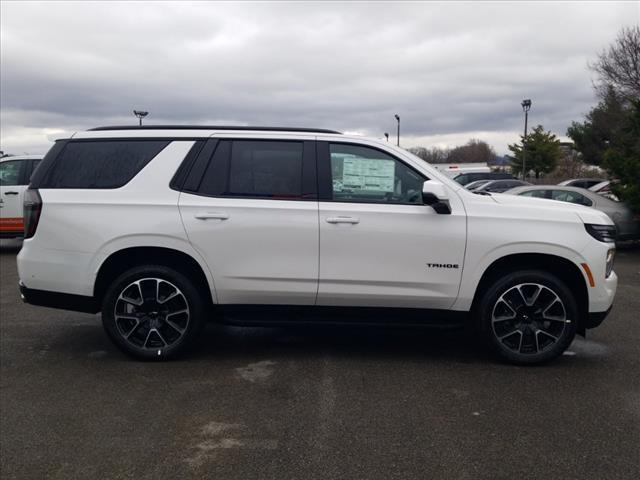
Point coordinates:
[[314, 403]]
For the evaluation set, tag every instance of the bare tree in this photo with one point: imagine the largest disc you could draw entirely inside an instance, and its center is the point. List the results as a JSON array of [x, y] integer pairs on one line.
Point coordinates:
[[619, 65], [473, 151]]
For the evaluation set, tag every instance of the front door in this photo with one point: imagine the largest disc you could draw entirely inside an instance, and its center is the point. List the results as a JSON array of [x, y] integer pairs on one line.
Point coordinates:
[[253, 214], [379, 245]]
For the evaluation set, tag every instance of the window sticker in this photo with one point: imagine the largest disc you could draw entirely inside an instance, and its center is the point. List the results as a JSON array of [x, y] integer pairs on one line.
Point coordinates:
[[364, 174]]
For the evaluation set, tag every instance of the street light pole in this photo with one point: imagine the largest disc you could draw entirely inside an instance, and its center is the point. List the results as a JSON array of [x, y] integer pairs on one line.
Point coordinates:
[[140, 114], [526, 105], [398, 119]]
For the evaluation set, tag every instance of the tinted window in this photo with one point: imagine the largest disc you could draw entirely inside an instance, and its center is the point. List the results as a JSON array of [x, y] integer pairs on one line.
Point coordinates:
[[266, 169], [10, 172], [100, 164], [463, 179], [361, 174], [255, 168]]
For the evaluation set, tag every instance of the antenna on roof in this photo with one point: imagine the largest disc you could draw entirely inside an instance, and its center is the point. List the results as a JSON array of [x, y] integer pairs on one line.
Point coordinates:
[[140, 114]]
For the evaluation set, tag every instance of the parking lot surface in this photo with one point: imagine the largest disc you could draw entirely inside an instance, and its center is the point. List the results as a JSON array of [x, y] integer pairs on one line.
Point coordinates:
[[322, 403]]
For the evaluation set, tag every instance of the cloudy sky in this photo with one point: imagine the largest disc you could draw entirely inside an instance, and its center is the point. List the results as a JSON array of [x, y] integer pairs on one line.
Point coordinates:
[[452, 71]]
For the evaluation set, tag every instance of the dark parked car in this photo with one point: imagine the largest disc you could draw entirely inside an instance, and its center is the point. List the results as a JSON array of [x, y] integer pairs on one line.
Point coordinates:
[[499, 186], [465, 178], [581, 182]]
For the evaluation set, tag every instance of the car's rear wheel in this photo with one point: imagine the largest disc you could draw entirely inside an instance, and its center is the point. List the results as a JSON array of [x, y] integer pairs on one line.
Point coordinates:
[[529, 317], [152, 312]]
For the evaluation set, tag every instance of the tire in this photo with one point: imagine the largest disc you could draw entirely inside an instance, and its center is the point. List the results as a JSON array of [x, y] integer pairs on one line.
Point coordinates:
[[528, 317], [153, 312]]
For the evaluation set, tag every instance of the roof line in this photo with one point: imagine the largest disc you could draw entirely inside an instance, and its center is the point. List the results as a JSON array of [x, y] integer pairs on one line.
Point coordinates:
[[211, 127]]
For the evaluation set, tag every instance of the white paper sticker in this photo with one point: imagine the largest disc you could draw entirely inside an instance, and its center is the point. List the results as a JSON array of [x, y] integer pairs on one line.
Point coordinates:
[[375, 175]]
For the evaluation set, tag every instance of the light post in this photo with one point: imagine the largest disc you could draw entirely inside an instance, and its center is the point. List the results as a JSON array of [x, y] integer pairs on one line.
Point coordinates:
[[386, 135], [398, 119], [526, 105], [140, 114]]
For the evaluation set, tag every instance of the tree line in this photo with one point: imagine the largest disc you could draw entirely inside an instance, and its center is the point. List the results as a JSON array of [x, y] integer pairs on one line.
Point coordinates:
[[474, 151]]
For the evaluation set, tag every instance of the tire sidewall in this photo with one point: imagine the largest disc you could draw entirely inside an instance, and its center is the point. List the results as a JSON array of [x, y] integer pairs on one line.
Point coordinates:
[[499, 287], [192, 296]]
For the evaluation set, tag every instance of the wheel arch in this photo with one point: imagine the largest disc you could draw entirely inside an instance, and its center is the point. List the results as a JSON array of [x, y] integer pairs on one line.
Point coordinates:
[[126, 258], [564, 269]]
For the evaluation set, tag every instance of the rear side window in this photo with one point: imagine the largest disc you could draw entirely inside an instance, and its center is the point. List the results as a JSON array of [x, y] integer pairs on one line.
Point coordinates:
[[570, 197], [100, 164], [255, 169], [536, 194], [266, 169]]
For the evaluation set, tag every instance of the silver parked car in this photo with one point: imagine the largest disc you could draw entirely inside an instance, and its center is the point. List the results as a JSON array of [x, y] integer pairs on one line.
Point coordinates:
[[627, 223], [581, 182]]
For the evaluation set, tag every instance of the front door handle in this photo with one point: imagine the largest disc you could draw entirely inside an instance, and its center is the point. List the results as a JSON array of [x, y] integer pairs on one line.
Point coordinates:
[[211, 215], [352, 220], [11, 193]]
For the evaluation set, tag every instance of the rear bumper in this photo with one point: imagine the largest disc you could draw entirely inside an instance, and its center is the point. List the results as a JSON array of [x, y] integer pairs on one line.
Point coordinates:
[[16, 234], [64, 301]]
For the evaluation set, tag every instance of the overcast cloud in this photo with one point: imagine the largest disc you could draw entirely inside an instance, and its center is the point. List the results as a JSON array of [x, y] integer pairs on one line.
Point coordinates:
[[452, 71]]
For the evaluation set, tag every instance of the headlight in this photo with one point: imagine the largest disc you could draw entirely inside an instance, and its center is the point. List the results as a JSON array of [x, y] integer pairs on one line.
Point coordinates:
[[602, 233], [611, 254]]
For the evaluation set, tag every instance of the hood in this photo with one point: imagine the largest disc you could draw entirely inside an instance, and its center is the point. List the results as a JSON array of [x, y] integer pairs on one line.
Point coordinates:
[[553, 208]]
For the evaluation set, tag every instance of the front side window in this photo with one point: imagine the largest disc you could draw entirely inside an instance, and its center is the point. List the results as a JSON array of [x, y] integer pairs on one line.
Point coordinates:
[[101, 164], [10, 172], [362, 174]]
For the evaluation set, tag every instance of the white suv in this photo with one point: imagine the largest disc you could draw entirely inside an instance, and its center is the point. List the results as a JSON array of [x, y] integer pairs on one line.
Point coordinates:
[[158, 227]]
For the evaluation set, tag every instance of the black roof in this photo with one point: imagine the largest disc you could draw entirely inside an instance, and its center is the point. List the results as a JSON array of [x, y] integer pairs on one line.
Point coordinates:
[[211, 127]]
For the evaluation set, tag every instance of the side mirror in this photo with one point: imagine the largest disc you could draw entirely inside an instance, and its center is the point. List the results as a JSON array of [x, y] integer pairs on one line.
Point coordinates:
[[435, 195]]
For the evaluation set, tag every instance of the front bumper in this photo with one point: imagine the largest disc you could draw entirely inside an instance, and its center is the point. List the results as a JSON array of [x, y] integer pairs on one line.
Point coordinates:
[[64, 301], [595, 319]]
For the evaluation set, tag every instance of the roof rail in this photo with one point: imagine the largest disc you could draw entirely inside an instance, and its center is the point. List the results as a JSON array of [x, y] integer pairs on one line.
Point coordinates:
[[211, 127]]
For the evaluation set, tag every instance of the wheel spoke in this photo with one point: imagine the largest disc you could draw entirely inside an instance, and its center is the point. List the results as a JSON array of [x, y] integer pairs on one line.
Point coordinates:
[[531, 301], [507, 335], [166, 299], [144, 345], [135, 327], [543, 332], [175, 327], [502, 318], [157, 332]]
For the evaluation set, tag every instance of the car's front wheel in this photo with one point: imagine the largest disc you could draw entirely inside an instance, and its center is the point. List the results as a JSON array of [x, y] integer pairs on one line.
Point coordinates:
[[152, 312], [529, 317]]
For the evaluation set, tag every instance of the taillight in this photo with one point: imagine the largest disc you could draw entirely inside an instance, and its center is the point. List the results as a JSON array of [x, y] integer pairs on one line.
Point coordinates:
[[32, 211]]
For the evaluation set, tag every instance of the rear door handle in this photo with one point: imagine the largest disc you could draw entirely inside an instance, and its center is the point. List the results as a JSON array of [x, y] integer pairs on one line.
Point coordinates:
[[352, 220], [11, 193], [211, 215]]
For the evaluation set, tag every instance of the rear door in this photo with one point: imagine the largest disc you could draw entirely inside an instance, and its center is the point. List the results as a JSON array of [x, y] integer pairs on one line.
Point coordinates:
[[250, 207], [379, 245], [13, 183]]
